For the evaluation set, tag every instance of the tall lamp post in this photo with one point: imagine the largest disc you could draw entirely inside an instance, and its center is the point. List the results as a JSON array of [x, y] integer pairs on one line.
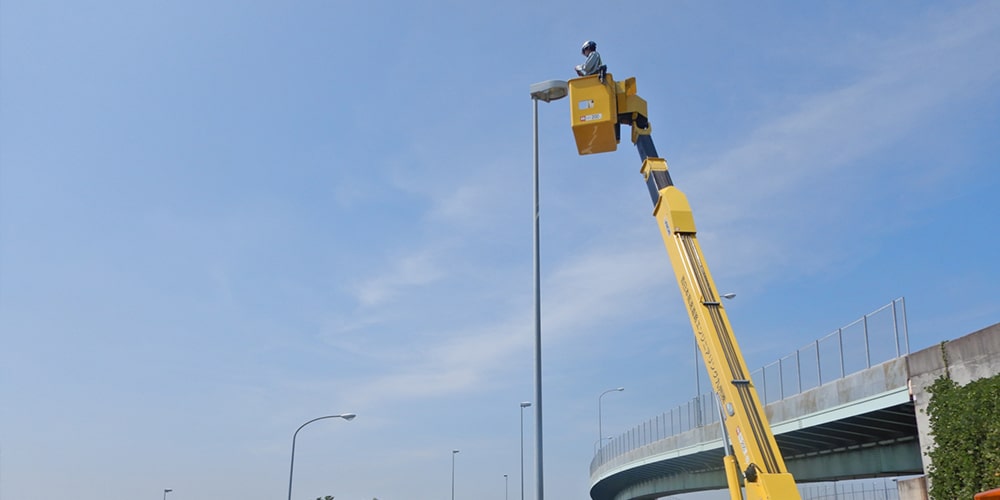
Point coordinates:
[[547, 91], [291, 467], [165, 494], [453, 453], [600, 431], [505, 487], [523, 406]]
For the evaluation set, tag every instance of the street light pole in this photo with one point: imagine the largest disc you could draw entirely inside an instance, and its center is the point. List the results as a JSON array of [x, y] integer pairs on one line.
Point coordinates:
[[453, 453], [505, 487], [291, 467], [523, 406], [165, 494], [600, 431], [546, 91]]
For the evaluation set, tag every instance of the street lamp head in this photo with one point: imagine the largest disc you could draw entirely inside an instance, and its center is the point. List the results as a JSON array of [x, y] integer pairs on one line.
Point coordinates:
[[347, 416], [167, 491], [620, 389], [454, 452], [525, 404], [549, 90], [729, 295]]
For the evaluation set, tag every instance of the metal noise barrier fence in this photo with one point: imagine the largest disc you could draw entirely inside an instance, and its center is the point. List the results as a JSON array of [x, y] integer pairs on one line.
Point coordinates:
[[874, 338]]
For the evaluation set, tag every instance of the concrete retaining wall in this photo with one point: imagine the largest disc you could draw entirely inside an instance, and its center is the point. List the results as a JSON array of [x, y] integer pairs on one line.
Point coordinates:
[[969, 358]]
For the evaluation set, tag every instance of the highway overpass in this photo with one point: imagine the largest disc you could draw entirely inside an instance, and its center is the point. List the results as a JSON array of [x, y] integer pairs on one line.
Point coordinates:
[[867, 424]]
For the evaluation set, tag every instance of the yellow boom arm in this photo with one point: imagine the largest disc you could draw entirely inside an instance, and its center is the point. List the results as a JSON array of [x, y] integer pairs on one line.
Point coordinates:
[[599, 108]]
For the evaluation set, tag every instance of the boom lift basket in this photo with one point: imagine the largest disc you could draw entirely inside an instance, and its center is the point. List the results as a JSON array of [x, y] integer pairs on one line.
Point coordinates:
[[594, 113]]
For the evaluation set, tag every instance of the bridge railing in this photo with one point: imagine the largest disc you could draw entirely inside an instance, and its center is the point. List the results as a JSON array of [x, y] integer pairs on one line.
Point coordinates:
[[876, 337], [872, 339]]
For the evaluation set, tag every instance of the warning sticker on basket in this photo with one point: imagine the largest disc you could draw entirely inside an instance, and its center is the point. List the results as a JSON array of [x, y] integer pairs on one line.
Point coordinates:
[[589, 118]]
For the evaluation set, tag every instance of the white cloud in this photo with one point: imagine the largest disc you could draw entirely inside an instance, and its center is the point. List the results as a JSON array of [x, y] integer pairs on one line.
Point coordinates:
[[418, 269], [584, 295]]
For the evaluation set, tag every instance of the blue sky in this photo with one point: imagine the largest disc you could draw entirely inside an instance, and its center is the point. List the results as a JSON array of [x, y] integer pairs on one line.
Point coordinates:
[[219, 220]]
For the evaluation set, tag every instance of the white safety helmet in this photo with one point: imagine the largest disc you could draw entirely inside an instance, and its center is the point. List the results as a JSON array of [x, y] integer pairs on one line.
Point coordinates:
[[589, 44]]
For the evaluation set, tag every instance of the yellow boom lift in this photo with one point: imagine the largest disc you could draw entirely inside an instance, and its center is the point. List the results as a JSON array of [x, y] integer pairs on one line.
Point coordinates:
[[599, 107]]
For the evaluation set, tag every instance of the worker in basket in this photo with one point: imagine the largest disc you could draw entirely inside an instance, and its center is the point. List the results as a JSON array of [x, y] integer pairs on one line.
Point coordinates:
[[593, 64]]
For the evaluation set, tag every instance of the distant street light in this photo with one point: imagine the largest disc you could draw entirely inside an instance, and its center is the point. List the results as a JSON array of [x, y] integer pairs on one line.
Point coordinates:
[[453, 453], [600, 432], [600, 442], [505, 487], [291, 467], [523, 406], [165, 494], [547, 91]]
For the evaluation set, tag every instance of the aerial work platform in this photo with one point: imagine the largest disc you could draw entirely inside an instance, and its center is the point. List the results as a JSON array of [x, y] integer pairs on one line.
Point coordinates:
[[599, 106]]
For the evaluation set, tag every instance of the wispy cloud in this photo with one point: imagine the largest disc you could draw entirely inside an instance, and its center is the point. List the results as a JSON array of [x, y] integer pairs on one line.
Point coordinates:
[[594, 289], [405, 272], [816, 149]]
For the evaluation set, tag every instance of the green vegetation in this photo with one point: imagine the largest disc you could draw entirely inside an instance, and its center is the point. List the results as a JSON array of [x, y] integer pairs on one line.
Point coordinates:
[[965, 422]]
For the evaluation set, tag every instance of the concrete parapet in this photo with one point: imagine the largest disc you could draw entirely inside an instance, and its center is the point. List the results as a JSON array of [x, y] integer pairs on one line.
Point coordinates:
[[876, 380]]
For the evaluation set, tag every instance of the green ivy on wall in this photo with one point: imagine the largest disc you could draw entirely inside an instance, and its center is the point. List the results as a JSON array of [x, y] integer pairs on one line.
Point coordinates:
[[965, 423]]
